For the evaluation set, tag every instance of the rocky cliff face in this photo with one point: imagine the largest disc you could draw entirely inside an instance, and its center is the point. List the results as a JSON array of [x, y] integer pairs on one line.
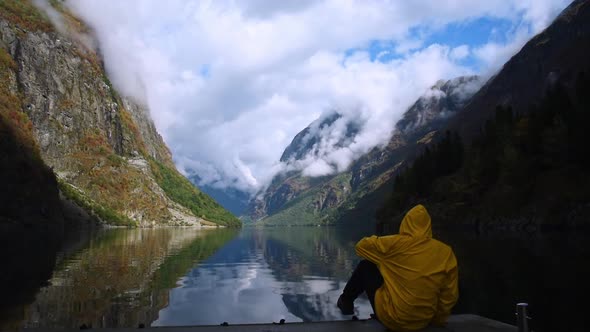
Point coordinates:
[[103, 147], [31, 216], [295, 199], [440, 102]]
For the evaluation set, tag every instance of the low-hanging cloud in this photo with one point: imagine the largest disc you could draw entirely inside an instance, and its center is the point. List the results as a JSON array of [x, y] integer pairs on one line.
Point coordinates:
[[62, 27], [230, 83]]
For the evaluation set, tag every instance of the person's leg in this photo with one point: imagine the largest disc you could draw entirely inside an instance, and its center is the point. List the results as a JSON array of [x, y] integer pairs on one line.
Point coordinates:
[[365, 278], [373, 281]]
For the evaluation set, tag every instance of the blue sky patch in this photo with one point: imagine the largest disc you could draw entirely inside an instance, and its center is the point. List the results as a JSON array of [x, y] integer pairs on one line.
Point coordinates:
[[473, 33], [205, 71]]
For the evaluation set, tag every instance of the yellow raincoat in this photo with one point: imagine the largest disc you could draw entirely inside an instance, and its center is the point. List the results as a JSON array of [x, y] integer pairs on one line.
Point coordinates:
[[420, 274]]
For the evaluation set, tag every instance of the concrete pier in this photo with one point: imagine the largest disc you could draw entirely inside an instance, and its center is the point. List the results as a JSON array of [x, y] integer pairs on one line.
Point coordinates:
[[457, 323]]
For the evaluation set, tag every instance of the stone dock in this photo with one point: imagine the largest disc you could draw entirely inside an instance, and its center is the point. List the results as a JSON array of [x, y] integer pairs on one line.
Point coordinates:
[[457, 323]]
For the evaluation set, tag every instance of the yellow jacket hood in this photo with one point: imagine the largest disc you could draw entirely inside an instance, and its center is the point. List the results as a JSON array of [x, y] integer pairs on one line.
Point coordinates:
[[416, 223]]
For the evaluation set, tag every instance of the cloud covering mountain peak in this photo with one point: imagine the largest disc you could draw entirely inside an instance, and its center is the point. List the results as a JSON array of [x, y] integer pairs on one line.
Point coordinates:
[[230, 83]]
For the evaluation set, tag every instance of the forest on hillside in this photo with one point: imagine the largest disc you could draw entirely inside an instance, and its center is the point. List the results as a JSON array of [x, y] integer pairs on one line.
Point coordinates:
[[525, 170]]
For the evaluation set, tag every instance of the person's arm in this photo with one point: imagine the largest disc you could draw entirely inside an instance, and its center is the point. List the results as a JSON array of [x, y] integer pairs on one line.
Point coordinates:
[[449, 293], [370, 248]]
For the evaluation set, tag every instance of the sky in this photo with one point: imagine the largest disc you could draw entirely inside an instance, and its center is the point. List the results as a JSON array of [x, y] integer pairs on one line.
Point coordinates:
[[229, 83]]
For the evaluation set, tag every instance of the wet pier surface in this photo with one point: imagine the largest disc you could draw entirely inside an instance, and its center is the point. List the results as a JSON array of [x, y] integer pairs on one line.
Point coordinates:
[[457, 323]]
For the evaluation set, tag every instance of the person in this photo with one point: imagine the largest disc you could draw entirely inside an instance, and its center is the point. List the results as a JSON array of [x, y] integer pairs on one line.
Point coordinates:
[[410, 278]]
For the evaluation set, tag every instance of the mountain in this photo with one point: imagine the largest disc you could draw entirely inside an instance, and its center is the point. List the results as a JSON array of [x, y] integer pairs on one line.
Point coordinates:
[[511, 156], [518, 155], [439, 103], [308, 142], [103, 148], [296, 199], [234, 200], [557, 53], [417, 126]]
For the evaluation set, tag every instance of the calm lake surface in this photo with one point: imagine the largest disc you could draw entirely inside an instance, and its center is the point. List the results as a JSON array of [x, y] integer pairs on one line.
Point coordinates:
[[185, 276]]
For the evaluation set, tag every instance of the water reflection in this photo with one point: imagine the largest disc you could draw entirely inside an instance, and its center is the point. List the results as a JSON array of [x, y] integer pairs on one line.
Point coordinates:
[[298, 273], [171, 276], [266, 275], [122, 278]]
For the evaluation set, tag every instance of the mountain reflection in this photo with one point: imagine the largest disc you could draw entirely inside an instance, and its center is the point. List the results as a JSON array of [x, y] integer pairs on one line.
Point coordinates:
[[265, 275], [185, 276], [122, 278]]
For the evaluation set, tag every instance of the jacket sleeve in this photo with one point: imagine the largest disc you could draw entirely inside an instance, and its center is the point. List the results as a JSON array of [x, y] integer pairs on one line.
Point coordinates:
[[371, 248], [449, 293]]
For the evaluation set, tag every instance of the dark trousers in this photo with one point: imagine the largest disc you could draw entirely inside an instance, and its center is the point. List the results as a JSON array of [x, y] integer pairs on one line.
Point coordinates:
[[365, 278]]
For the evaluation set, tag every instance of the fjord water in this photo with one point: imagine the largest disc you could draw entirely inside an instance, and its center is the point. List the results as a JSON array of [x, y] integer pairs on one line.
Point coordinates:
[[186, 276], [265, 275]]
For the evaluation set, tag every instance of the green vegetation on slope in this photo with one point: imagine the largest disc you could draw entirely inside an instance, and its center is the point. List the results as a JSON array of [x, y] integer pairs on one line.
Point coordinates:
[[296, 212], [534, 164], [24, 14], [101, 211], [112, 183], [314, 206], [180, 190]]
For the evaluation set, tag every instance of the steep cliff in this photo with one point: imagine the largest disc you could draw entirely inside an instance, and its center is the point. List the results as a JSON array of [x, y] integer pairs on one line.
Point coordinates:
[[31, 217], [103, 147]]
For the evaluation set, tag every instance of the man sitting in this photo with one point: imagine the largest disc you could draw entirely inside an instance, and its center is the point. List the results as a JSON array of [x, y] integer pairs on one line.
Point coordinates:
[[410, 278]]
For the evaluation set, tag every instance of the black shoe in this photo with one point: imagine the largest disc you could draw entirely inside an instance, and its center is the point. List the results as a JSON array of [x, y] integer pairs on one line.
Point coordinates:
[[346, 307]]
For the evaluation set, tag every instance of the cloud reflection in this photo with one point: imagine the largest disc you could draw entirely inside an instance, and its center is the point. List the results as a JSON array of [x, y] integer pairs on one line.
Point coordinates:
[[258, 285]]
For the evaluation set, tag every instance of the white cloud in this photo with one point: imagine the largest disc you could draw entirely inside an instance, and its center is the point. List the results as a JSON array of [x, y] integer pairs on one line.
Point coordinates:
[[493, 55], [229, 83], [460, 52], [54, 16], [537, 15], [540, 13]]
